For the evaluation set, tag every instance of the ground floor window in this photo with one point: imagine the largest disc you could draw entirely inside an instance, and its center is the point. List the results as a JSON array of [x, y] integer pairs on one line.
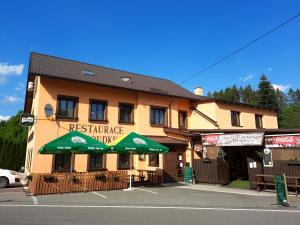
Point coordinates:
[[154, 160], [62, 162], [123, 161], [96, 162]]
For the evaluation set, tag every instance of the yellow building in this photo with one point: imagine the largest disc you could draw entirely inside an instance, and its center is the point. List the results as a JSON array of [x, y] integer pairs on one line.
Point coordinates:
[[105, 103]]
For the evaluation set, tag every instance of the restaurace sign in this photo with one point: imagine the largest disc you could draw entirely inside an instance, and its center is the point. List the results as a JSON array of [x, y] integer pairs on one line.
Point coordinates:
[[103, 133]]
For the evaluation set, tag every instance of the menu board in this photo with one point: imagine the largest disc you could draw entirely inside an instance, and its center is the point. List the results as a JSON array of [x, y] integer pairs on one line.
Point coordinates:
[[188, 174], [281, 189]]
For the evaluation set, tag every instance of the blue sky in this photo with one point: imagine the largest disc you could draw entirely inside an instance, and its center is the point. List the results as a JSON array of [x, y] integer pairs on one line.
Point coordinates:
[[169, 39]]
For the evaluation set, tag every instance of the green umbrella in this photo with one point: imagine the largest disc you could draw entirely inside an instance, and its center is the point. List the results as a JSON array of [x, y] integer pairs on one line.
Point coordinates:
[[134, 143], [74, 142]]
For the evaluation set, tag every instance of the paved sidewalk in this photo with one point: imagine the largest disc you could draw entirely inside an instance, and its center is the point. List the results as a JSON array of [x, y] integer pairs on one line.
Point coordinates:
[[222, 189]]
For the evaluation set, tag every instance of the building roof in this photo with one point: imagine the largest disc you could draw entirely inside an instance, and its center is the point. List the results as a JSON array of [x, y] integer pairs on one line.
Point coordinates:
[[55, 67]]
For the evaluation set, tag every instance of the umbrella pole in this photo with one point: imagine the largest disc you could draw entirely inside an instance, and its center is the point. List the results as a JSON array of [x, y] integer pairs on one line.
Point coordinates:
[[130, 172], [72, 161]]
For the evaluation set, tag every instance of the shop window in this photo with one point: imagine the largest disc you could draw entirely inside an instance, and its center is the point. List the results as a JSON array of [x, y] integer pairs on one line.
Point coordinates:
[[154, 160], [125, 113], [235, 119], [67, 107], [98, 110], [158, 116], [182, 119], [62, 162], [96, 162], [123, 161], [258, 121]]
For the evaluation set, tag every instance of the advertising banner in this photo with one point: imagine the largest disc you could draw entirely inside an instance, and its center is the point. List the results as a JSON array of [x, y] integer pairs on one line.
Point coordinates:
[[242, 139], [282, 141]]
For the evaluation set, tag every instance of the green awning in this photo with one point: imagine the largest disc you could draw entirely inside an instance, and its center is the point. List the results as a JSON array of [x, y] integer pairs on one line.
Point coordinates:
[[74, 142], [136, 144]]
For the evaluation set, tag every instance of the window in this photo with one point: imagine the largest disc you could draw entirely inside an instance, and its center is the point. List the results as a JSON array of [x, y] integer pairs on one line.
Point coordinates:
[[154, 160], [125, 113], [62, 162], [96, 162], [67, 107], [158, 116], [123, 161], [98, 110], [258, 121], [235, 119], [182, 119]]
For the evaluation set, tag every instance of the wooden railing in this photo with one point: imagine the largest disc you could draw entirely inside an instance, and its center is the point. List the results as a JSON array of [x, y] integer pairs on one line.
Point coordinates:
[[54, 183]]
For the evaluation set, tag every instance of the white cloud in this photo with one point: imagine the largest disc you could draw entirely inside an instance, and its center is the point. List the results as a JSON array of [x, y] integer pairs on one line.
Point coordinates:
[[269, 69], [245, 78], [6, 70], [20, 86], [4, 117], [11, 99], [281, 87]]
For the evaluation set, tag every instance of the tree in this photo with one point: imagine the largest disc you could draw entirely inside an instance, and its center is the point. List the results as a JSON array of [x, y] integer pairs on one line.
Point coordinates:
[[13, 139], [290, 117], [248, 95], [266, 95]]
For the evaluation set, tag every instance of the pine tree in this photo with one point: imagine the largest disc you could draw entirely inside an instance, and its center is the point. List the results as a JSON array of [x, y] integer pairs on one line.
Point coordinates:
[[266, 95]]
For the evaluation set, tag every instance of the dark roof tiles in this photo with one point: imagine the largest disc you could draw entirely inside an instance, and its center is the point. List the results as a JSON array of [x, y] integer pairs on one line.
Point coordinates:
[[55, 67]]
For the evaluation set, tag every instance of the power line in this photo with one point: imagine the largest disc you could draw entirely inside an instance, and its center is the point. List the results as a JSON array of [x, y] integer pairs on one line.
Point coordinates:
[[241, 48]]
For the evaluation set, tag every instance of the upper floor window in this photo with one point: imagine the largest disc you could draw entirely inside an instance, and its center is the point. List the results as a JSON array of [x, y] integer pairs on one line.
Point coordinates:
[[98, 110], [96, 162], [258, 121], [235, 119], [182, 119], [158, 116], [67, 107], [125, 113]]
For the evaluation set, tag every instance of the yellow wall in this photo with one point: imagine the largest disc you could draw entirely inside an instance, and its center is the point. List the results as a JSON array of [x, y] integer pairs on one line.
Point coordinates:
[[46, 129], [247, 117], [49, 129]]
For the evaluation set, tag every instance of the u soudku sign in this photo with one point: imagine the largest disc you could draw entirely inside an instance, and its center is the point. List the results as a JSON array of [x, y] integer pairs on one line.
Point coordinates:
[[245, 139], [103, 133]]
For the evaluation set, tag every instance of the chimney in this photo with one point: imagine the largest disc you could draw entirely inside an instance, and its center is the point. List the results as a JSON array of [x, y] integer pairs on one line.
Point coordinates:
[[198, 91]]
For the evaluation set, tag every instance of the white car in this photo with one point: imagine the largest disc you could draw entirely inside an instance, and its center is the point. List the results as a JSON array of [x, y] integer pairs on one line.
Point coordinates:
[[9, 177]]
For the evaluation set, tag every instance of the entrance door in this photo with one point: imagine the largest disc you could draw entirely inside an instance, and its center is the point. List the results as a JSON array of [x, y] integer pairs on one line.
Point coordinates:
[[174, 162]]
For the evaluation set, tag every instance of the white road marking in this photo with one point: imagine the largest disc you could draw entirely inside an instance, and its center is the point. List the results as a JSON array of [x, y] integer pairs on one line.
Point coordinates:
[[141, 189], [155, 207], [95, 193], [227, 191], [34, 198], [166, 185]]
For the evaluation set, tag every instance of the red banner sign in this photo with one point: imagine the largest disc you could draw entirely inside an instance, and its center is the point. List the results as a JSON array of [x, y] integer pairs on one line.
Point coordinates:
[[282, 141], [210, 139]]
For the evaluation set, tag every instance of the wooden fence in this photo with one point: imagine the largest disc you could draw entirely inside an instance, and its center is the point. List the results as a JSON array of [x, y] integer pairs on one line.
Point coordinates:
[[54, 183], [214, 171]]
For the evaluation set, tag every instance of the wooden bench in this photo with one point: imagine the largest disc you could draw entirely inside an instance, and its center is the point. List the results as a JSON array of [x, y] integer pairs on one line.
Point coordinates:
[[268, 180]]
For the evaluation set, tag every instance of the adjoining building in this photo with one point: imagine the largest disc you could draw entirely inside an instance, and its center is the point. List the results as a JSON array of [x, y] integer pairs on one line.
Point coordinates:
[[105, 103]]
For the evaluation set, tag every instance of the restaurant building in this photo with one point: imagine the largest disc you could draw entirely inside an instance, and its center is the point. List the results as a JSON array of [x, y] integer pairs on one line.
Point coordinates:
[[104, 103]]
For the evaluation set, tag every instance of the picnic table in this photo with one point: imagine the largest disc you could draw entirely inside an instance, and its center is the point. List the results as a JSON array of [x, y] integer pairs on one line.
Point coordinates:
[[268, 180]]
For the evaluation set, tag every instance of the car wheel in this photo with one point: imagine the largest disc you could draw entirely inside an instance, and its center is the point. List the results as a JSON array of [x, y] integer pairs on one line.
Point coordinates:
[[3, 182]]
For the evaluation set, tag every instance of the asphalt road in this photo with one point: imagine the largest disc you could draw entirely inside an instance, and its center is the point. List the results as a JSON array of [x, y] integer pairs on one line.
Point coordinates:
[[143, 206]]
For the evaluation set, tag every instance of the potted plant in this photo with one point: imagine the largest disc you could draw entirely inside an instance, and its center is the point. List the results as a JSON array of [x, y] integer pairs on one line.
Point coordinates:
[[116, 178], [75, 180], [101, 177], [50, 179]]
